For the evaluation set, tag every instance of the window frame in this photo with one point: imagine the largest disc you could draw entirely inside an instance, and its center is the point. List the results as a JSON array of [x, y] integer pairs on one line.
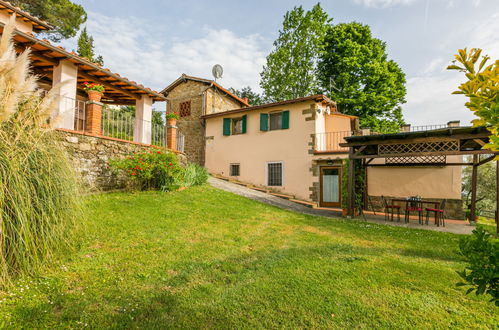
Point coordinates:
[[267, 173], [238, 169], [183, 112], [281, 114], [233, 126]]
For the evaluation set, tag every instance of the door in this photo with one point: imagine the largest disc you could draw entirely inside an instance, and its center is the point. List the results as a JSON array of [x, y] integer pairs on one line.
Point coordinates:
[[330, 195]]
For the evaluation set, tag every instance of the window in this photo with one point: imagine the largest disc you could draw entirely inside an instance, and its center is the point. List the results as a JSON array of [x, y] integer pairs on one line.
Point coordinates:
[[274, 174], [237, 125], [234, 169], [275, 121], [185, 109]]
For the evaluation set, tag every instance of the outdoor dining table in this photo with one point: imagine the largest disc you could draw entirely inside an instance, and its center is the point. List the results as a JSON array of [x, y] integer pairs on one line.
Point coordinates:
[[407, 201]]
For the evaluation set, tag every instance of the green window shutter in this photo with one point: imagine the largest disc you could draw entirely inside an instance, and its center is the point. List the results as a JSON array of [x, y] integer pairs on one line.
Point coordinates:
[[227, 126], [285, 119], [264, 122], [243, 129]]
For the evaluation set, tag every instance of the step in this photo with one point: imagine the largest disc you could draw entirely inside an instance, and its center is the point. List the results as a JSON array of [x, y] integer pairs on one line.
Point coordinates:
[[308, 204], [260, 189], [281, 195]]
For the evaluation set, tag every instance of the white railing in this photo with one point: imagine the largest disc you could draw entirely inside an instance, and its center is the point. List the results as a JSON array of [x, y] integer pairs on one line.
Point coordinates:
[[180, 141], [118, 124], [158, 136]]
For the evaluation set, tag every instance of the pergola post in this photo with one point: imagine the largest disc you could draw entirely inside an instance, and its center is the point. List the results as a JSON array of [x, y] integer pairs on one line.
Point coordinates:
[[143, 117], [351, 183], [474, 177], [65, 80]]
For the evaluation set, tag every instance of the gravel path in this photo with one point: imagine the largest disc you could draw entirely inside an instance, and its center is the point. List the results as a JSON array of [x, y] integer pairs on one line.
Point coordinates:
[[451, 226]]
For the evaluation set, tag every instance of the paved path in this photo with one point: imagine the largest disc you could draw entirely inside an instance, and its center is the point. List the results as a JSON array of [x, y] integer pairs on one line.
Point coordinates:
[[451, 226]]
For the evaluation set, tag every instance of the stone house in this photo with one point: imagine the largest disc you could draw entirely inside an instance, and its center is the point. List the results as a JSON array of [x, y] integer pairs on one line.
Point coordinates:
[[192, 98]]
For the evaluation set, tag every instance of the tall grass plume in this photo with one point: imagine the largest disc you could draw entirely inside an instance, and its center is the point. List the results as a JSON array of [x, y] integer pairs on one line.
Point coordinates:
[[39, 201]]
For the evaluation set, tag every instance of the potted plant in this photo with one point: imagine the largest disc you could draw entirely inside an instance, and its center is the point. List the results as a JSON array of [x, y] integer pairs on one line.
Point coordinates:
[[171, 118], [468, 215], [94, 91]]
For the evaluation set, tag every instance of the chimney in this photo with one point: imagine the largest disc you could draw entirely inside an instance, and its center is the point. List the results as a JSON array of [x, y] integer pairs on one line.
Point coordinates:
[[453, 123], [245, 99], [405, 128]]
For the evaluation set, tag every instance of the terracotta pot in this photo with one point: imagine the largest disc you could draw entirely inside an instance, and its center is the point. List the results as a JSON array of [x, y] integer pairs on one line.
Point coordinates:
[[344, 212], [94, 96], [181, 188], [171, 121]]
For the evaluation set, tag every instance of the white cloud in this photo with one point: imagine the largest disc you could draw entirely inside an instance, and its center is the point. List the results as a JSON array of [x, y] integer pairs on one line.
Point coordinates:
[[384, 3], [138, 52], [429, 98]]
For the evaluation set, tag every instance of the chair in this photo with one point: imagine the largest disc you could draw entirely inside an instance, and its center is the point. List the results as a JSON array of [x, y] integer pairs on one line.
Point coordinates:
[[439, 214], [390, 208], [414, 205]]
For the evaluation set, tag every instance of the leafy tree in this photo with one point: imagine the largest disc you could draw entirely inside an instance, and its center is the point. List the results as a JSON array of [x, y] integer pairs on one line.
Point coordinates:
[[64, 15], [86, 47], [291, 69], [486, 190], [356, 73], [253, 97], [482, 89]]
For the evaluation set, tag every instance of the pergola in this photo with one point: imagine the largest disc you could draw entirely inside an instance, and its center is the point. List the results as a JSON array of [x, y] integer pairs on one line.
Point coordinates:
[[421, 149]]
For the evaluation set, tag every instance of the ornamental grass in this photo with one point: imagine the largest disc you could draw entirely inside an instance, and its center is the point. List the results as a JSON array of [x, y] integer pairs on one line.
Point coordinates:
[[39, 201]]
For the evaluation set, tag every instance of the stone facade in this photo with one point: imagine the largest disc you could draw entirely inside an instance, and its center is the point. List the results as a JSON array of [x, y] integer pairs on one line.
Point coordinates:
[[203, 99], [91, 154]]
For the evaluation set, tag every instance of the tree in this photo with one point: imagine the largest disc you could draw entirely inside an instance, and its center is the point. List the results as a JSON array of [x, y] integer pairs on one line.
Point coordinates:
[[64, 15], [486, 190], [253, 97], [356, 73], [291, 69], [482, 89], [86, 47]]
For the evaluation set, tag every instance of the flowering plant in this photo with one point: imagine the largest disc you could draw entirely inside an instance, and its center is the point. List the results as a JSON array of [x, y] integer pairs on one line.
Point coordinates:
[[153, 169], [93, 87], [172, 115]]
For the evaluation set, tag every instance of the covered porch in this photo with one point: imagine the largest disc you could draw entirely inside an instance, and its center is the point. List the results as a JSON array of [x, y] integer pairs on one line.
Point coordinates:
[[424, 146]]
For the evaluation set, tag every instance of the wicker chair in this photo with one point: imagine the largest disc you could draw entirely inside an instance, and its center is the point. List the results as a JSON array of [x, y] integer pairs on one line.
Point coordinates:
[[439, 214], [390, 209]]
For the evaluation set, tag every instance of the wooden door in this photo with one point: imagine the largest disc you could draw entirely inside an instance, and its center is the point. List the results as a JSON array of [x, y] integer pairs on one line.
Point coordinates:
[[330, 179]]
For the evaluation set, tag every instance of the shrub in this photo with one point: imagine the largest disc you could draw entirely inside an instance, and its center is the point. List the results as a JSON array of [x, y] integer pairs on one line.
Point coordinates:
[[154, 169], [194, 175], [481, 251], [39, 201]]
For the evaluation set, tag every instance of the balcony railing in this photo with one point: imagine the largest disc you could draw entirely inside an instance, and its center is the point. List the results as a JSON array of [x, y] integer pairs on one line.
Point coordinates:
[[180, 141], [330, 141]]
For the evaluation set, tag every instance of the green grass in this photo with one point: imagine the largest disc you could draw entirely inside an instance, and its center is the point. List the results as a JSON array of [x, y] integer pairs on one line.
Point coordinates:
[[203, 258]]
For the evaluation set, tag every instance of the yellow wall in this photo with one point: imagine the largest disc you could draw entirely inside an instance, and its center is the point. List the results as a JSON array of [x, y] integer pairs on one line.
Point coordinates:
[[427, 182], [255, 148]]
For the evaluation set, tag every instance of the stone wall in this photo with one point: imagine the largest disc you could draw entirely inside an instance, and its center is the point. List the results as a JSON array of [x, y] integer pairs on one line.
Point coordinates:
[[91, 154]]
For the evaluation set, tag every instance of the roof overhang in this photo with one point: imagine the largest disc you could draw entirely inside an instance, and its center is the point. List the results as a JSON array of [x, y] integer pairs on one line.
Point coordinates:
[[38, 24], [44, 55], [316, 98]]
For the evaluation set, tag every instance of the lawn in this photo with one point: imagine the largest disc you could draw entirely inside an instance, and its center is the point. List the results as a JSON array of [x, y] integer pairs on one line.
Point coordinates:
[[204, 258]]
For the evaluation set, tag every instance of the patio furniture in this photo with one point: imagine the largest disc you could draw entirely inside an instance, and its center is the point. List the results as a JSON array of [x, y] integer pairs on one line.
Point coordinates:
[[414, 204], [439, 213], [390, 208]]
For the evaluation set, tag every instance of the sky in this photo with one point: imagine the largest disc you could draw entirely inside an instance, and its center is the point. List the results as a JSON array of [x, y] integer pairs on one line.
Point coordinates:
[[153, 42]]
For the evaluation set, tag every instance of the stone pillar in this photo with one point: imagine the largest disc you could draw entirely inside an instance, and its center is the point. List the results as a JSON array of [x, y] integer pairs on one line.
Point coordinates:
[[143, 117], [93, 118], [405, 128], [453, 123], [65, 80], [171, 134]]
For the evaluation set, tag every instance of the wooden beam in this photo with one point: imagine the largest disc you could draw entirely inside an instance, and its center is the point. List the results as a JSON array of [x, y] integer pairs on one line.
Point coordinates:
[[434, 153], [420, 164], [44, 58], [480, 142], [351, 183], [474, 177], [417, 139], [369, 161], [486, 160], [107, 85]]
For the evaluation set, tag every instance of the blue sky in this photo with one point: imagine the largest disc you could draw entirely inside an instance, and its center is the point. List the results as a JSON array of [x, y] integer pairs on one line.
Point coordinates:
[[153, 42]]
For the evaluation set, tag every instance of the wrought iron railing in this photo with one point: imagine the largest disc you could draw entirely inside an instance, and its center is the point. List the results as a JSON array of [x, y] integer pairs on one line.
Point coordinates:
[[330, 141], [180, 141], [118, 124], [158, 135]]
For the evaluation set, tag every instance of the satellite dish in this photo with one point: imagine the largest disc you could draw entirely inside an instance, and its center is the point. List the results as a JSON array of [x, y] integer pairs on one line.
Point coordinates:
[[217, 71]]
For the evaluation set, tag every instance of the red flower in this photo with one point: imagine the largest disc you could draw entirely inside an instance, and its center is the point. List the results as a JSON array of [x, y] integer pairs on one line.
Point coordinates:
[[170, 164], [159, 152]]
